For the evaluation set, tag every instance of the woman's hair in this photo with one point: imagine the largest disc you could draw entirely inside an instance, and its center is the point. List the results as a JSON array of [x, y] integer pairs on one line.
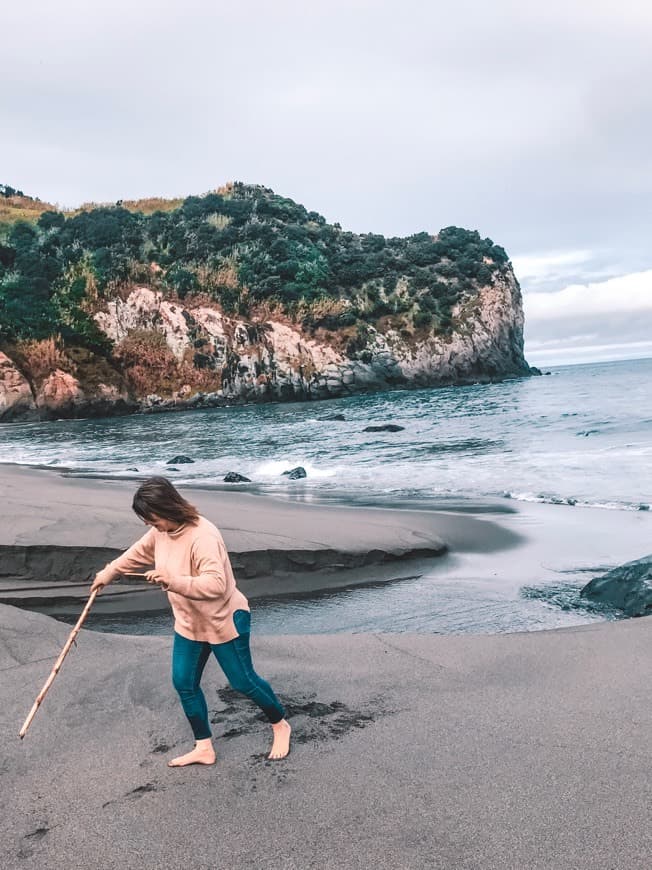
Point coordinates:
[[157, 496]]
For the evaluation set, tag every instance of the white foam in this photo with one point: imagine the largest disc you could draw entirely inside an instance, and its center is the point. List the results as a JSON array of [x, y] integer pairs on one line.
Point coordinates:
[[569, 501], [275, 468]]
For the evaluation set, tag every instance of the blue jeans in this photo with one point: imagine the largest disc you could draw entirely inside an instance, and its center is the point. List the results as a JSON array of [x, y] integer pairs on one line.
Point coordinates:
[[189, 659]]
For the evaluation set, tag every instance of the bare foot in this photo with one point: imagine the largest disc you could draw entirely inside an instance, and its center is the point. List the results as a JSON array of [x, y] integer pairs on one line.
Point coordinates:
[[281, 744], [203, 753]]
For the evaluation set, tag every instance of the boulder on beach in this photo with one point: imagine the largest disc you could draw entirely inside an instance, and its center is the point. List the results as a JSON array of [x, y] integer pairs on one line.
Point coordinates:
[[295, 473], [180, 460], [386, 427], [628, 587], [234, 477]]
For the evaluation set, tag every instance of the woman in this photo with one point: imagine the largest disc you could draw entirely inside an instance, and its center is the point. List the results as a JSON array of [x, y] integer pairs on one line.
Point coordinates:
[[210, 613]]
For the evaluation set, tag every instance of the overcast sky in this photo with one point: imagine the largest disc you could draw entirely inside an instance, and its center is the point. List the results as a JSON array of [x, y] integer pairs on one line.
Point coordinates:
[[529, 122]]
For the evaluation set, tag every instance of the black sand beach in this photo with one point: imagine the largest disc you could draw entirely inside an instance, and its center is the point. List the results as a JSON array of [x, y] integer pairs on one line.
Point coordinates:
[[520, 751], [410, 751], [57, 531]]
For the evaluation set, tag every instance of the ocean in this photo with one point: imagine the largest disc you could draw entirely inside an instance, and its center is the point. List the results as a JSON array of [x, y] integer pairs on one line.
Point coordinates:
[[581, 435], [580, 438]]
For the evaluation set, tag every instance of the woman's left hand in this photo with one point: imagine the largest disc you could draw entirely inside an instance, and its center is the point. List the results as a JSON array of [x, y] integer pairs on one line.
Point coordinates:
[[158, 575]]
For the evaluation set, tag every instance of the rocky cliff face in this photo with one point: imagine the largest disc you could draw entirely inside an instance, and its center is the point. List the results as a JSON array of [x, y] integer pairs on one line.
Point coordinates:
[[60, 394], [16, 398], [274, 359]]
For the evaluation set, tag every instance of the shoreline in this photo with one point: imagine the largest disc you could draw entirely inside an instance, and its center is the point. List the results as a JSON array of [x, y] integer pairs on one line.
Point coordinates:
[[287, 548], [57, 530], [96, 407], [499, 503]]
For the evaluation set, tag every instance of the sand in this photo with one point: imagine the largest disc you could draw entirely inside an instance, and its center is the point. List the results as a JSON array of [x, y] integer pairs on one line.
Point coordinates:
[[57, 531], [518, 751], [410, 751]]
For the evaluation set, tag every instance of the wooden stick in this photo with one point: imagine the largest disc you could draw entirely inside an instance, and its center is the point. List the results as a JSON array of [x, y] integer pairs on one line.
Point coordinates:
[[55, 670]]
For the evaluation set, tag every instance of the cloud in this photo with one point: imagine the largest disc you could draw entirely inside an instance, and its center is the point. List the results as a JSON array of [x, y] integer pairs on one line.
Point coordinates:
[[532, 268], [627, 293], [388, 117], [529, 122], [548, 354], [548, 271], [609, 319]]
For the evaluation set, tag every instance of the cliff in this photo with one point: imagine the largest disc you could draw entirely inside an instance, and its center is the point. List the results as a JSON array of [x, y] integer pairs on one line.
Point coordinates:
[[240, 296]]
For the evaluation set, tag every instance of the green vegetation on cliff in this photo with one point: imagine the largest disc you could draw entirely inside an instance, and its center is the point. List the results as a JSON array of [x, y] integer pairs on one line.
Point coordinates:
[[244, 247]]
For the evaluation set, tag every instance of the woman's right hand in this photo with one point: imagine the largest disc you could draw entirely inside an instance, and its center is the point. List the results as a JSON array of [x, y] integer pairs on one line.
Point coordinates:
[[102, 579]]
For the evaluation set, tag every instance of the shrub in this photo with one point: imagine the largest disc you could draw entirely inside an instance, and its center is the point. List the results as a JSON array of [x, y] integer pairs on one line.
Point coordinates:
[[38, 359], [422, 319], [149, 364], [243, 246]]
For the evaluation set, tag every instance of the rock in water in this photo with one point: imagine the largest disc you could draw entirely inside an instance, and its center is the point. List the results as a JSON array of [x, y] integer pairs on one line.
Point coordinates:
[[386, 427], [336, 418], [628, 587], [179, 460], [234, 477], [295, 473]]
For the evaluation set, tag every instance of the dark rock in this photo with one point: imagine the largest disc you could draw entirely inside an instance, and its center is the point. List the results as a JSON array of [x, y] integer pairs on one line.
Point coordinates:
[[179, 460], [386, 427], [644, 507], [547, 373], [535, 371], [295, 473], [173, 469], [132, 469], [628, 587], [335, 418], [234, 477]]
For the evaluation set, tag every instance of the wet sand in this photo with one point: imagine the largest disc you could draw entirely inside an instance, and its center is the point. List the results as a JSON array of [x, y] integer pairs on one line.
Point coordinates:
[[56, 531]]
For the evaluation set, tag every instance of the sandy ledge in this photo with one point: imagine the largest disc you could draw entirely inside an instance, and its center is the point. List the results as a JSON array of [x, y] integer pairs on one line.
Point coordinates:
[[56, 531], [500, 753]]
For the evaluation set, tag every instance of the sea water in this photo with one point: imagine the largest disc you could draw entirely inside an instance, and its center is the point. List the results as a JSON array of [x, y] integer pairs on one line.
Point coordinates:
[[580, 436]]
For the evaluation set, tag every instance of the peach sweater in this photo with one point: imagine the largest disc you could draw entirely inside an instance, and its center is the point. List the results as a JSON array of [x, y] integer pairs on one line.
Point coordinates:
[[202, 590]]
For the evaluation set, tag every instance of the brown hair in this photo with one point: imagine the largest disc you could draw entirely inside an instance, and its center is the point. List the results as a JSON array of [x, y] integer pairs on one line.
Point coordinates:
[[157, 496]]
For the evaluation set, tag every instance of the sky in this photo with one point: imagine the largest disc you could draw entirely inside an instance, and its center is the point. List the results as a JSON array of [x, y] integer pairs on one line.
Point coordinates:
[[530, 122]]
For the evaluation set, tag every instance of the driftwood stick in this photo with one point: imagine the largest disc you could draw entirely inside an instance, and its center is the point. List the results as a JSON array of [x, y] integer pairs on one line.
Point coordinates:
[[55, 670]]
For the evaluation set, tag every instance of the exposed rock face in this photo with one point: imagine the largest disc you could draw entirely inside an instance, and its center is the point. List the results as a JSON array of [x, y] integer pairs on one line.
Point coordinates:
[[274, 360], [59, 395], [16, 399], [628, 587]]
